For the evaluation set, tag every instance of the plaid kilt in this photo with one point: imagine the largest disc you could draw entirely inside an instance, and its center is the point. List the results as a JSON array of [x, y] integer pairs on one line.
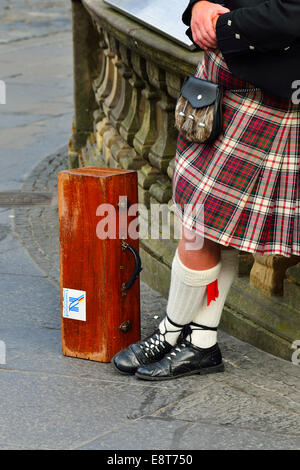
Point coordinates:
[[247, 180]]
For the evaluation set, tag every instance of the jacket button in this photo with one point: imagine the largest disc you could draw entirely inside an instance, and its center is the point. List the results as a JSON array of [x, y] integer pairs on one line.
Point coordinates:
[[237, 36], [287, 48], [251, 47], [229, 22]]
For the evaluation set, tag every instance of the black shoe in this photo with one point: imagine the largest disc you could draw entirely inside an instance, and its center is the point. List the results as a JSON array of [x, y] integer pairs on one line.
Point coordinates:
[[184, 359], [144, 352]]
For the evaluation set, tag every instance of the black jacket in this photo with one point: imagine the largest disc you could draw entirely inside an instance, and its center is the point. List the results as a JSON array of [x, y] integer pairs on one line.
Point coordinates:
[[260, 42]]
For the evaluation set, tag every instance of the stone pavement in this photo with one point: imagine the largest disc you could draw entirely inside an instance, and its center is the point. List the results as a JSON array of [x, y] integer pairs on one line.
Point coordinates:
[[23, 19], [253, 405], [48, 401]]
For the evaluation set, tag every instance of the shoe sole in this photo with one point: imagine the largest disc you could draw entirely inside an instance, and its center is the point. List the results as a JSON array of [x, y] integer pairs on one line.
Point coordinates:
[[204, 371]]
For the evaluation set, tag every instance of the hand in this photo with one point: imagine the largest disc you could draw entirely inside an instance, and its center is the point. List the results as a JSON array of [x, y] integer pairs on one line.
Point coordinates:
[[203, 23]]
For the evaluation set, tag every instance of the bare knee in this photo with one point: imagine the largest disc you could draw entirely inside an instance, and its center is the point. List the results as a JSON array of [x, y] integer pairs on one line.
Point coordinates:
[[198, 252]]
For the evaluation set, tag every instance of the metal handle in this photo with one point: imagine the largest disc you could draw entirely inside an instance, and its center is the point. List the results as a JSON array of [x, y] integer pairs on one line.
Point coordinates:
[[137, 266]]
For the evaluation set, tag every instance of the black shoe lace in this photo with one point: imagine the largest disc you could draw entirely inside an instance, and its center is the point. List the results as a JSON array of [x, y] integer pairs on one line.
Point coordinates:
[[188, 332]]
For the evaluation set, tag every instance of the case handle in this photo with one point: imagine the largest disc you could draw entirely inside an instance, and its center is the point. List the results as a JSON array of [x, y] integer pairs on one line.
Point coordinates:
[[137, 267]]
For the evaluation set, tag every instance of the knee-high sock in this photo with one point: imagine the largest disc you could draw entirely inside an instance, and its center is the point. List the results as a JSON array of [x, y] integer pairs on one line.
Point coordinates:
[[210, 316], [187, 289]]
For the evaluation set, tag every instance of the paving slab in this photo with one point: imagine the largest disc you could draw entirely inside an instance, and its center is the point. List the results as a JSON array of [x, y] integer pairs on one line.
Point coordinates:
[[226, 405], [63, 412], [160, 434]]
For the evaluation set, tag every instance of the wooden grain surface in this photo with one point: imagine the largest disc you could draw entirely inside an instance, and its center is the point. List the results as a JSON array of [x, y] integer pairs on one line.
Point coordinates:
[[98, 267]]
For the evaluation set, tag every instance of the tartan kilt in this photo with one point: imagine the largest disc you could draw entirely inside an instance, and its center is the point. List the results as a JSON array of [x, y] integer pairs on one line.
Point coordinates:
[[247, 180]]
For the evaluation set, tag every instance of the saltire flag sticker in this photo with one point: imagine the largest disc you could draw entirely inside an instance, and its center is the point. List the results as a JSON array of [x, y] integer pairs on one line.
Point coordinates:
[[74, 304]]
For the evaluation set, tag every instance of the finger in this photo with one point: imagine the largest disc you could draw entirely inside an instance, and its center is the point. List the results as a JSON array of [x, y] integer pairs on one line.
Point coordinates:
[[207, 44], [204, 44], [208, 40], [200, 33], [201, 45], [210, 32], [199, 40], [207, 27], [200, 36]]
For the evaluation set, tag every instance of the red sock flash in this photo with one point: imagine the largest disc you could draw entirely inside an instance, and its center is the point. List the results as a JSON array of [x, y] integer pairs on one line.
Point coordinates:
[[212, 291]]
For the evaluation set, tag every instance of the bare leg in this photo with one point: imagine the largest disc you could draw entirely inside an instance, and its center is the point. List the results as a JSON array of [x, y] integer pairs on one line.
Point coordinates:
[[198, 253], [192, 270]]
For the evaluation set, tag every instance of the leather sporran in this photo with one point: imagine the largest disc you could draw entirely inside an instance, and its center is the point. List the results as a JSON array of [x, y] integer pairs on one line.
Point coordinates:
[[198, 114]]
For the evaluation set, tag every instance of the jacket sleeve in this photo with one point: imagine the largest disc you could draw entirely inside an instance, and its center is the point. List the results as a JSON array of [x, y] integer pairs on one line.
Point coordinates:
[[269, 26]]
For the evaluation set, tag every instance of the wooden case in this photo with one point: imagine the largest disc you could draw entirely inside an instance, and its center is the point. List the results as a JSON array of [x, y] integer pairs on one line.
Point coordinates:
[[100, 314]]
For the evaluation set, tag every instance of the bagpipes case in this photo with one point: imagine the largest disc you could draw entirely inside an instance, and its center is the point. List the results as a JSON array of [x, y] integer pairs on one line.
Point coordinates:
[[100, 289]]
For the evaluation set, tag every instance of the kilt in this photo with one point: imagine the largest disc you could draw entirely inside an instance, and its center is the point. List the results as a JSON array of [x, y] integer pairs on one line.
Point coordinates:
[[247, 180]]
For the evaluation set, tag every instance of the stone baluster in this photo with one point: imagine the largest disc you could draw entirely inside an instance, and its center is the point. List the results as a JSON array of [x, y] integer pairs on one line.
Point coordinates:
[[147, 134], [100, 59], [113, 97], [99, 113], [269, 271], [170, 169], [131, 123], [147, 176], [115, 151], [106, 86], [107, 83], [174, 84], [120, 111], [163, 150]]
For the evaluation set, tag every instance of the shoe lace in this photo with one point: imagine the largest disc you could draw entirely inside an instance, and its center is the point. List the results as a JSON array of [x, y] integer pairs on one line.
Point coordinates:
[[176, 349], [188, 333], [157, 342], [152, 345]]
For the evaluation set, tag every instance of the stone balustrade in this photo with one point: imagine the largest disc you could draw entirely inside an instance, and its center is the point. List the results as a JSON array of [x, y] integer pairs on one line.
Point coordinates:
[[126, 83]]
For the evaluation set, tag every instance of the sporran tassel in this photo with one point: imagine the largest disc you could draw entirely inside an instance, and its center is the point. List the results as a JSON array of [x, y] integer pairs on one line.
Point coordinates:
[[204, 120], [189, 122], [180, 113]]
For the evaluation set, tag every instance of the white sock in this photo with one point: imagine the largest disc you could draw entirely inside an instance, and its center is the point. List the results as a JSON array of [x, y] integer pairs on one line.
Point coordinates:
[[187, 289], [210, 316]]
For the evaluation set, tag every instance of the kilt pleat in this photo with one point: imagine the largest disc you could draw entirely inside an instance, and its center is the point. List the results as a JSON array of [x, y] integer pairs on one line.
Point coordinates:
[[247, 180]]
